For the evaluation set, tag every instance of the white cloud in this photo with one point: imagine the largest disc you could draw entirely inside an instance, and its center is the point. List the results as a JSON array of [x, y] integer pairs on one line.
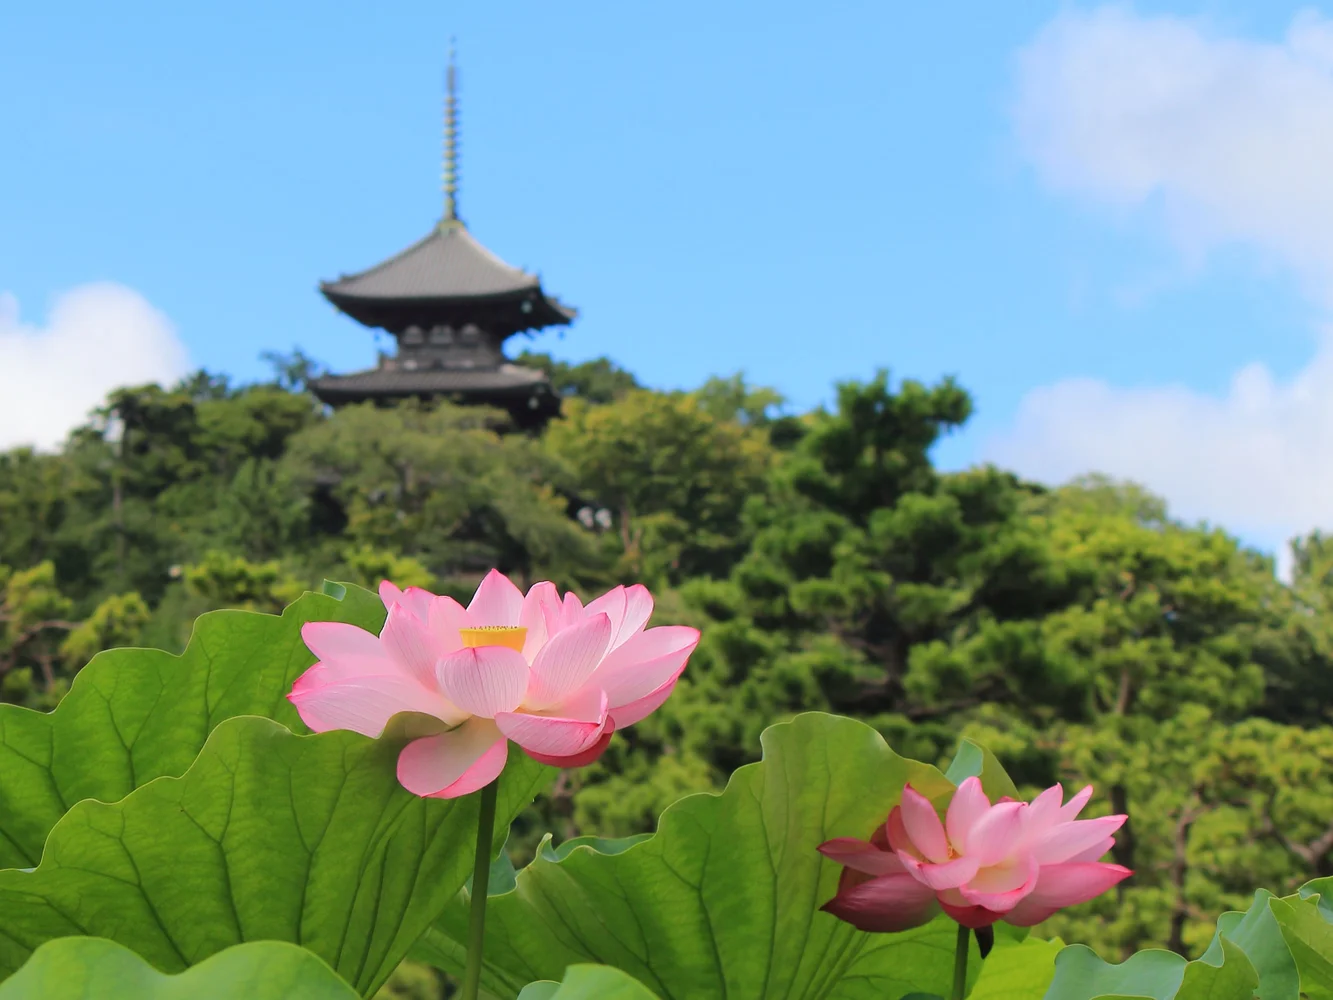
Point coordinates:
[[1232, 140], [1226, 141], [97, 337], [1259, 459]]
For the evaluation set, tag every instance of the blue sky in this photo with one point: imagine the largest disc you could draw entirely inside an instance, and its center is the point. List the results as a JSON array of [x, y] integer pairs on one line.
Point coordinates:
[[805, 192]]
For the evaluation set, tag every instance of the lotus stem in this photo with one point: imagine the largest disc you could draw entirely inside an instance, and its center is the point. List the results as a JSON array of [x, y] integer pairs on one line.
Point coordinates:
[[481, 877], [959, 963]]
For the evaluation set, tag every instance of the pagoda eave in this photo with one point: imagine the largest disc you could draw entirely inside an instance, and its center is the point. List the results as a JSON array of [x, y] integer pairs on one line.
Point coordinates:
[[503, 314], [525, 393]]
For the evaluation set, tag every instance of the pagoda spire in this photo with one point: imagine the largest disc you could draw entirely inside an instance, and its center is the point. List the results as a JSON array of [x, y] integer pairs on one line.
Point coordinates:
[[449, 175]]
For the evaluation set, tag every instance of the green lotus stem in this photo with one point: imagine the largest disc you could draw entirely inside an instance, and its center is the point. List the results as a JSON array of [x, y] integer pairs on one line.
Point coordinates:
[[959, 963], [481, 877]]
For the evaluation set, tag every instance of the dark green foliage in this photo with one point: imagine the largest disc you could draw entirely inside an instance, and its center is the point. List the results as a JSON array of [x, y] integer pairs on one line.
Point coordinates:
[[598, 381], [1080, 632]]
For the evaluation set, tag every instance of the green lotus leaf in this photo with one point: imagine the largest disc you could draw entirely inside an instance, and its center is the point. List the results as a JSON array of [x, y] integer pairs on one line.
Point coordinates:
[[974, 760], [1257, 934], [1309, 938], [1320, 892], [82, 968], [1233, 979], [723, 901], [1081, 974], [1231, 969], [1017, 971], [133, 715], [268, 835], [589, 982]]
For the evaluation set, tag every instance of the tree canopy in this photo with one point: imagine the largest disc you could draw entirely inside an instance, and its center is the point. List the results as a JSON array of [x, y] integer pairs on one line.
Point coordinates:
[[1078, 630]]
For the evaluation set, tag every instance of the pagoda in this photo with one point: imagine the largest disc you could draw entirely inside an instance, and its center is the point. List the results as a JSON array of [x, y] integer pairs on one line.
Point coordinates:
[[450, 304]]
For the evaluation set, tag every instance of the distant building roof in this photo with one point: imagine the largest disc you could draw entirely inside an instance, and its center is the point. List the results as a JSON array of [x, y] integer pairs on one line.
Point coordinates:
[[525, 392], [400, 382], [442, 274]]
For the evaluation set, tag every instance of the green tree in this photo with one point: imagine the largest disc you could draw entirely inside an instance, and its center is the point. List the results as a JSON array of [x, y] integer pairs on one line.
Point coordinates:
[[735, 399], [367, 567], [117, 621], [598, 381], [42, 644], [674, 477], [230, 581], [442, 485]]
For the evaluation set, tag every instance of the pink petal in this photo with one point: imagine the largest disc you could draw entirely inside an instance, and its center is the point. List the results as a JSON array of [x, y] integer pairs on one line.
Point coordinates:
[[895, 834], [365, 705], [654, 643], [484, 680], [1044, 812], [454, 763], [889, 903], [1066, 840], [550, 736], [646, 661], [968, 805], [996, 835], [638, 609], [579, 759], [949, 875], [1064, 885], [629, 609], [923, 826], [971, 917], [861, 856], [1094, 853], [408, 641], [611, 604], [346, 651], [588, 705], [566, 662], [999, 888], [571, 612], [496, 602], [1074, 806], [444, 618], [418, 601], [638, 710], [389, 594], [541, 605]]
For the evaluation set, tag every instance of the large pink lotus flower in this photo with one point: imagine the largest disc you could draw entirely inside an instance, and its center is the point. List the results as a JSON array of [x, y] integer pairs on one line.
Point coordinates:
[[555, 676], [1011, 861]]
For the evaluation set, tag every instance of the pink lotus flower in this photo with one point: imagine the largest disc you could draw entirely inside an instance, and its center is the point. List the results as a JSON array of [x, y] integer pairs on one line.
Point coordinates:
[[1011, 861], [554, 676]]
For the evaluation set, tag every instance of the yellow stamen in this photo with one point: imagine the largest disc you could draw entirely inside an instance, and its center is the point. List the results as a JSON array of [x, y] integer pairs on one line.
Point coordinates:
[[512, 636]]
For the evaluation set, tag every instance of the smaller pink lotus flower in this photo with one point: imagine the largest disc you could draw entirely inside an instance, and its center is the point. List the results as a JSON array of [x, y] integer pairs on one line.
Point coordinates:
[[1011, 861], [555, 676]]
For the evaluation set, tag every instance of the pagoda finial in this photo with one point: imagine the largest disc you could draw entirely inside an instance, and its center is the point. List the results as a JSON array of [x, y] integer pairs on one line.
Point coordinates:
[[449, 177]]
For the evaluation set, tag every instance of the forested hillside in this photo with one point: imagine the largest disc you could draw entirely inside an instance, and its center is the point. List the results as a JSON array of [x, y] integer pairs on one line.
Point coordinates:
[[1080, 632]]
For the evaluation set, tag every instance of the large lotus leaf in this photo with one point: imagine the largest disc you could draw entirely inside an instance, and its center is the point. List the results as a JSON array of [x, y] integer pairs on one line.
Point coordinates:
[[1155, 975], [1320, 892], [974, 760], [1232, 968], [1080, 974], [268, 835], [133, 715], [1257, 934], [1017, 971], [723, 901], [1309, 938], [1233, 979], [588, 982], [80, 968]]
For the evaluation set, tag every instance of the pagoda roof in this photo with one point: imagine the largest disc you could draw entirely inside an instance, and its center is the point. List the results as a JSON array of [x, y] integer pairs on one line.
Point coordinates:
[[448, 277], [429, 382]]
